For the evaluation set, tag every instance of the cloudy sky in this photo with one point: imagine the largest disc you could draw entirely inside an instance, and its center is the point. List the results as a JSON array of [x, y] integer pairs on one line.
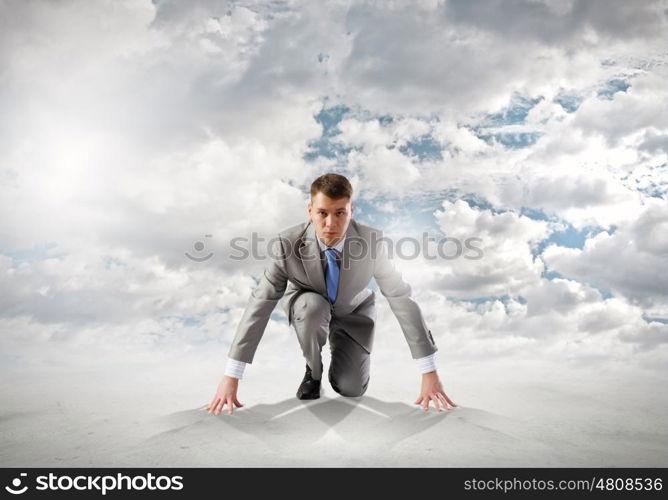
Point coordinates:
[[134, 131]]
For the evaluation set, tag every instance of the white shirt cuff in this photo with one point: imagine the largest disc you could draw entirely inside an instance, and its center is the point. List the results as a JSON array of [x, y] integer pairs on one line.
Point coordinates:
[[234, 368], [426, 364]]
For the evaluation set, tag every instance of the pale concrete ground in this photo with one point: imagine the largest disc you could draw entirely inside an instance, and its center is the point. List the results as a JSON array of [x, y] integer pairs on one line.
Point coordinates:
[[528, 415]]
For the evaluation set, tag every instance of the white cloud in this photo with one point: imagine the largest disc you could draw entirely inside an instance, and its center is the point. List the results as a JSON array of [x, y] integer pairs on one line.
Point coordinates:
[[632, 262], [485, 254]]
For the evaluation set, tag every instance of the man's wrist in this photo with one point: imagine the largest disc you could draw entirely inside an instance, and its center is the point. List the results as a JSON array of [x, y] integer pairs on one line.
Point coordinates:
[[234, 368], [426, 364]]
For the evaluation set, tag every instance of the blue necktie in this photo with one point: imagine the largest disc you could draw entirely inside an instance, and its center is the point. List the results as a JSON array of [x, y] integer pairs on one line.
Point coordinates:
[[332, 278]]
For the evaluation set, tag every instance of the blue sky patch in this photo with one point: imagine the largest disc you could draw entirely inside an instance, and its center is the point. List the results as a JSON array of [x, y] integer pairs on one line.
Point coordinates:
[[35, 253], [516, 113], [649, 319], [534, 213], [570, 237], [329, 118], [511, 140], [424, 148], [611, 87], [570, 101]]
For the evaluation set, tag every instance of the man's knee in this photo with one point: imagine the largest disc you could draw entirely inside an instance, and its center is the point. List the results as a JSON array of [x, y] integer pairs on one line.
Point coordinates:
[[311, 304], [349, 386]]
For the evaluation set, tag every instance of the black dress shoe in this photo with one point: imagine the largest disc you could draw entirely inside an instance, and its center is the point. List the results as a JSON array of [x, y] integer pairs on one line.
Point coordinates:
[[309, 388]]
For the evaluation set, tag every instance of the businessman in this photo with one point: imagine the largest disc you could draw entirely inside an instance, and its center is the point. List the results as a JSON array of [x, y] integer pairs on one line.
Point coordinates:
[[321, 278]]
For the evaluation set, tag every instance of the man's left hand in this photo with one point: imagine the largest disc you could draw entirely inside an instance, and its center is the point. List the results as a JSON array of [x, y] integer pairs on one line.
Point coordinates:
[[432, 390]]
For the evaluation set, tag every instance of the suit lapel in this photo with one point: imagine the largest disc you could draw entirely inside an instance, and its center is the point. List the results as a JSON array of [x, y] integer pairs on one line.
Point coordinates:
[[351, 247], [309, 251]]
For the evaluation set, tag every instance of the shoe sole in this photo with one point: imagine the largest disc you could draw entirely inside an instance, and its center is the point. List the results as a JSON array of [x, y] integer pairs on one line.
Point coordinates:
[[308, 397]]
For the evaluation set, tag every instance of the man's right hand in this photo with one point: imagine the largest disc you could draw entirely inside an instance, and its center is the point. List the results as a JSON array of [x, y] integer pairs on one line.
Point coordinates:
[[225, 394]]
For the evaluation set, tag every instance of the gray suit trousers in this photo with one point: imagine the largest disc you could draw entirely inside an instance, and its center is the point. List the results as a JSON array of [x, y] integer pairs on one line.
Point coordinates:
[[314, 324]]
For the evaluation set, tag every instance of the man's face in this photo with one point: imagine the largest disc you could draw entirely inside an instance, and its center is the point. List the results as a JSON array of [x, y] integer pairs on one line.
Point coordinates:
[[330, 217]]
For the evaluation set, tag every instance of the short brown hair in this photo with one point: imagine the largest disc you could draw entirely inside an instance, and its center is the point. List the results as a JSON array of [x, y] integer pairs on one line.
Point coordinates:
[[334, 186]]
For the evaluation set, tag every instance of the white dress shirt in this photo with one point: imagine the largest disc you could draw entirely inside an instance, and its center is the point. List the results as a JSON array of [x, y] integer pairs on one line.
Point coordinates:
[[235, 368]]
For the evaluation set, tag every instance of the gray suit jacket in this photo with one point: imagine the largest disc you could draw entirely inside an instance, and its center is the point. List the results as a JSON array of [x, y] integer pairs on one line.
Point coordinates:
[[299, 269]]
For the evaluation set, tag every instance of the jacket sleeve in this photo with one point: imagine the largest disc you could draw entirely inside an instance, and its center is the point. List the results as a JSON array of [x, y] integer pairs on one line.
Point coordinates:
[[261, 303], [398, 293]]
